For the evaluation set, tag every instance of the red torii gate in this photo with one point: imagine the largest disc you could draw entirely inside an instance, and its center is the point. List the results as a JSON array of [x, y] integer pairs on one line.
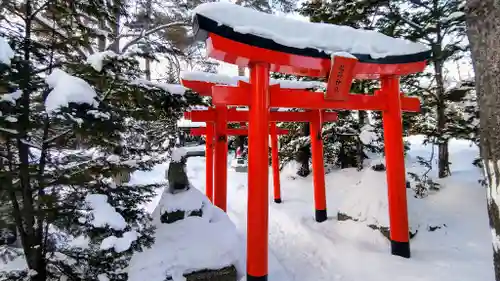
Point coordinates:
[[228, 31], [316, 118], [209, 189]]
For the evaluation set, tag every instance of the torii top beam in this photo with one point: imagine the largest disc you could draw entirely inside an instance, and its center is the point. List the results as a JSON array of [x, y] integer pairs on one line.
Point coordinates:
[[240, 35]]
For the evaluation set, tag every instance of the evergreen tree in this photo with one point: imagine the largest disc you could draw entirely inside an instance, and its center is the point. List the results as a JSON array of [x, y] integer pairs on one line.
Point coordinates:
[[68, 133], [343, 146], [440, 25]]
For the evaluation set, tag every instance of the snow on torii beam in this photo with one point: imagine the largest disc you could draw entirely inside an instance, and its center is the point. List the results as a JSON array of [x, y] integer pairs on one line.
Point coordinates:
[[234, 115], [202, 82]]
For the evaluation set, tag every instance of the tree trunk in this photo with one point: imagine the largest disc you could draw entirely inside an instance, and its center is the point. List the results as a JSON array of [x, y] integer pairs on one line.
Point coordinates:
[[304, 154], [360, 147], [483, 21], [149, 7], [437, 49], [443, 159]]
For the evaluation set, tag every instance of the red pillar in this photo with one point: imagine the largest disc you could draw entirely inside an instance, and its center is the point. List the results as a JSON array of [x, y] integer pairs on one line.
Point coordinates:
[[220, 163], [209, 161], [396, 182], [258, 169], [275, 162], [318, 167]]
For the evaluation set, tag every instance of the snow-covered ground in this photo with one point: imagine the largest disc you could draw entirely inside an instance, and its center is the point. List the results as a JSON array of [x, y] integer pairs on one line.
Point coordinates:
[[301, 249]]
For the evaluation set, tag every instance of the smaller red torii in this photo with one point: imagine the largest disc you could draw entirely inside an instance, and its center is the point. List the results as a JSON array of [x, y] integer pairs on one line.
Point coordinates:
[[219, 115], [216, 192]]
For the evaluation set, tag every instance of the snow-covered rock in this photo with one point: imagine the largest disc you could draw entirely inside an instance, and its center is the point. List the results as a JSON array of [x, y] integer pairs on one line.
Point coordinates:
[[195, 243]]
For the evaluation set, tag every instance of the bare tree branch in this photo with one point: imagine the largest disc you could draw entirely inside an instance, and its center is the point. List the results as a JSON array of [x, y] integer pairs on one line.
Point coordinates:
[[146, 33], [39, 9]]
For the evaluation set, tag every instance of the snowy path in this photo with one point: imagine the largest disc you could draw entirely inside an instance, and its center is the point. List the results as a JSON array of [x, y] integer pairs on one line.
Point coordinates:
[[301, 249]]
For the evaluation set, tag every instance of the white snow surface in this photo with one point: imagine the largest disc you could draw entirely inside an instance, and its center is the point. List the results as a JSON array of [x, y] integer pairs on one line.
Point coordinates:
[[119, 244], [367, 135], [178, 153], [11, 97], [299, 34], [96, 60], [67, 88], [301, 249], [103, 214], [188, 245], [189, 200], [185, 123], [233, 80], [174, 89], [6, 52]]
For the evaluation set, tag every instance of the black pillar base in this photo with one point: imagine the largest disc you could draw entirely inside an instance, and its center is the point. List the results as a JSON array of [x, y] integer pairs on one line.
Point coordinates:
[[277, 200], [256, 278], [321, 215], [401, 249]]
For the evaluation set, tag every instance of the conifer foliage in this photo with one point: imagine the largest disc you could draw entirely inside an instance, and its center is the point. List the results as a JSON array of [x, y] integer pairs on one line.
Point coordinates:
[[74, 121], [449, 108]]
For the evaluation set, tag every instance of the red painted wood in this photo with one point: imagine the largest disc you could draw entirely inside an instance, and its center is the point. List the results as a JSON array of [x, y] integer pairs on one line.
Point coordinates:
[[318, 167], [340, 78], [242, 116], [273, 131], [220, 162], [310, 100], [394, 153], [258, 185], [233, 52], [209, 161], [200, 87]]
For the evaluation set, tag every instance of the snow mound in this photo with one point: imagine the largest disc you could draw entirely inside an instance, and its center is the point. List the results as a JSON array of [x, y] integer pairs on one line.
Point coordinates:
[[119, 244], [222, 79], [188, 245], [300, 34], [178, 153], [188, 200], [96, 60], [67, 89], [6, 52], [366, 201], [103, 214], [11, 97]]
